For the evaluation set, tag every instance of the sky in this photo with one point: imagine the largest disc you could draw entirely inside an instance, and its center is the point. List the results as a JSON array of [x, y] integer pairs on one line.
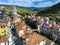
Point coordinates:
[[30, 3]]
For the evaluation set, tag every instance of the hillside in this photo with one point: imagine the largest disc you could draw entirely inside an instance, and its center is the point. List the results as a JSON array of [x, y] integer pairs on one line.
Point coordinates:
[[23, 10], [20, 10], [34, 8], [55, 9]]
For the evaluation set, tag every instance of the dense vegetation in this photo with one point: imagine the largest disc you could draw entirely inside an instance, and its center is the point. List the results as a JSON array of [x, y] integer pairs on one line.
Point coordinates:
[[20, 10], [53, 12], [23, 10]]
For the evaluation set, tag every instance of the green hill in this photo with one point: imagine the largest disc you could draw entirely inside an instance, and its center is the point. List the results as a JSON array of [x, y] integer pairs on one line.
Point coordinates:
[[54, 10], [20, 10], [23, 10]]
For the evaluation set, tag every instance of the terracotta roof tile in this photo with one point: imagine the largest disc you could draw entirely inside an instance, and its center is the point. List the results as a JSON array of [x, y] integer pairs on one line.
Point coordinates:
[[3, 24], [3, 39], [34, 39], [56, 26], [3, 21], [51, 22], [20, 26]]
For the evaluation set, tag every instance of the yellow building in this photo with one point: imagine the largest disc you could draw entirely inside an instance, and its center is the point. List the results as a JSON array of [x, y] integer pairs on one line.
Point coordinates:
[[4, 30]]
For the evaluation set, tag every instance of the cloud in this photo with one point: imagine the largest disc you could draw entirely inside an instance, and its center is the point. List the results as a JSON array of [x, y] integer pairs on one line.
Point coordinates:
[[2, 3], [46, 3], [30, 3]]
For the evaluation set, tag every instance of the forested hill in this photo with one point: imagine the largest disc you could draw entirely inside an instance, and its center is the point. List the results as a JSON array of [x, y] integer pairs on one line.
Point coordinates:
[[20, 10], [23, 10], [55, 9]]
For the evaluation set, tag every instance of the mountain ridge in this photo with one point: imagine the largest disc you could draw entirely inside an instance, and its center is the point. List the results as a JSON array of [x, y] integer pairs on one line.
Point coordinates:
[[28, 8], [51, 10]]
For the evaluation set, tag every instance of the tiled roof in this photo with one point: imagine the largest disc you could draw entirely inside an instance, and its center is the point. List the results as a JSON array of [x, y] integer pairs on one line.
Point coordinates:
[[3, 21], [3, 39], [51, 22], [20, 26], [56, 26], [34, 39], [26, 34], [3, 24]]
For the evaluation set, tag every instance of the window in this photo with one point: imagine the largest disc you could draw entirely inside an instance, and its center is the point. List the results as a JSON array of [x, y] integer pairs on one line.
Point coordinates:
[[4, 26], [1, 26]]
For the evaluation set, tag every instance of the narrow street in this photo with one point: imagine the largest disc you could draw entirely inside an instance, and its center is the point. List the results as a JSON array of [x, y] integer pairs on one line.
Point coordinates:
[[16, 39]]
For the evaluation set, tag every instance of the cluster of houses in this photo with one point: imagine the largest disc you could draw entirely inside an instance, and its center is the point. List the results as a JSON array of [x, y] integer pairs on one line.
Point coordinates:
[[4, 32], [45, 25], [29, 37], [25, 34]]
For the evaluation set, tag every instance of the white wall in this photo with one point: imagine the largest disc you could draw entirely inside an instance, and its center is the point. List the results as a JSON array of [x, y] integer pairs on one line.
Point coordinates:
[[52, 43], [42, 43]]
